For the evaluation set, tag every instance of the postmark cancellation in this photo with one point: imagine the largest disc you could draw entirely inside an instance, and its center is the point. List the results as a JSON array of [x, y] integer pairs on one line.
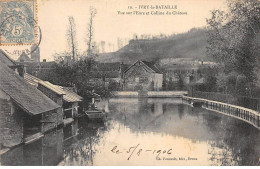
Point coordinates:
[[18, 22]]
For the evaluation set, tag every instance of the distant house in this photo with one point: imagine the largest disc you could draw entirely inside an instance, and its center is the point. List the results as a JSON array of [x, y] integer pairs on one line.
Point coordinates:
[[113, 70], [23, 58], [25, 112], [188, 69], [64, 96], [43, 70], [142, 75], [35, 55]]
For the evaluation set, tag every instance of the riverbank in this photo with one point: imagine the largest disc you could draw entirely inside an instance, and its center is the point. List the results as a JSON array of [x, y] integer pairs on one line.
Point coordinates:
[[150, 94]]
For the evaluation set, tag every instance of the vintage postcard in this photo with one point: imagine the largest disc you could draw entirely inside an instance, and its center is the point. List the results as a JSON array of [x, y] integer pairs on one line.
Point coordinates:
[[129, 83]]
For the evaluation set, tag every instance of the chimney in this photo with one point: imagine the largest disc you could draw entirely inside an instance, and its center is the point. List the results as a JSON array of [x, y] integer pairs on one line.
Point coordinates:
[[21, 70], [44, 60]]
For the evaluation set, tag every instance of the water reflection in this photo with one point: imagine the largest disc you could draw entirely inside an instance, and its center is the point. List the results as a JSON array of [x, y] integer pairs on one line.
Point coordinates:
[[156, 125], [46, 151]]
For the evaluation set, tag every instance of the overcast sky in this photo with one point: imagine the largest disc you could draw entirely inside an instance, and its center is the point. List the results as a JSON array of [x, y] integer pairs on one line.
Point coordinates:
[[108, 25]]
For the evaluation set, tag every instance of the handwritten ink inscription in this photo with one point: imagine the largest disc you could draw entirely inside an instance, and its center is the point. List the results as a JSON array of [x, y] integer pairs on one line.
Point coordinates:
[[138, 150]]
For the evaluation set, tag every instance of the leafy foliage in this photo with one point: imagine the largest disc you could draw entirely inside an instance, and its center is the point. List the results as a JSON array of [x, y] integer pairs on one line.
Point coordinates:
[[233, 40]]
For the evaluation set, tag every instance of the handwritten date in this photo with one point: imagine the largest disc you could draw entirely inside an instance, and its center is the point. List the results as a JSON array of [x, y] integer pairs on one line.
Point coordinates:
[[137, 150]]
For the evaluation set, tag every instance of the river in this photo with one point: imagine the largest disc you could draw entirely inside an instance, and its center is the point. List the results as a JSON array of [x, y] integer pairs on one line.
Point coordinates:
[[145, 132]]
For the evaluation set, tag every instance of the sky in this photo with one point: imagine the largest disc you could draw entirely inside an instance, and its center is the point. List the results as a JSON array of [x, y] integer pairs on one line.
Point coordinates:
[[109, 25]]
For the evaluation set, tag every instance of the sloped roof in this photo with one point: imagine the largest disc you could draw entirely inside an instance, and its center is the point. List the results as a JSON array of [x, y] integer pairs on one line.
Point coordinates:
[[32, 80], [150, 65], [52, 87], [5, 59], [113, 66], [106, 74], [24, 95], [69, 96], [23, 58], [109, 70]]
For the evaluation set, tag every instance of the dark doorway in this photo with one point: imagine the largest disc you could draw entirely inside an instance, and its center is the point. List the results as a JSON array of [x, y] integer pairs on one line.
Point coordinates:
[[31, 124]]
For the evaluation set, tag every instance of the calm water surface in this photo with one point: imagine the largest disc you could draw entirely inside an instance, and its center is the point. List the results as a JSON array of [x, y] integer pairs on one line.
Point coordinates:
[[145, 132]]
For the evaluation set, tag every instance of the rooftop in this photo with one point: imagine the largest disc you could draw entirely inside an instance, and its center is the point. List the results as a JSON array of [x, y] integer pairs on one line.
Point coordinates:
[[56, 89], [68, 94], [150, 65], [30, 99], [32, 80], [5, 59]]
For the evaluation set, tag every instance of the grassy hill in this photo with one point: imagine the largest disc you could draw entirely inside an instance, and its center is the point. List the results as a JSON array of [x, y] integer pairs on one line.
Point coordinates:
[[187, 45]]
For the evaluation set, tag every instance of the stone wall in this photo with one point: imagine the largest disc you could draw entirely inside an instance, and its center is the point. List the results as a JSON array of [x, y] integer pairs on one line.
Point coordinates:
[[49, 121], [11, 122], [158, 80], [57, 99]]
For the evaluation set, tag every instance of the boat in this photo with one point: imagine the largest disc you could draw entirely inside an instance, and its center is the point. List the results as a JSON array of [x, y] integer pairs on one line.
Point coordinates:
[[95, 114]]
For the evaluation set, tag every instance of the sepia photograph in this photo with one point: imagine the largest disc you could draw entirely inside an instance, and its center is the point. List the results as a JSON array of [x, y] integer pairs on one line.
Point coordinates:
[[129, 83]]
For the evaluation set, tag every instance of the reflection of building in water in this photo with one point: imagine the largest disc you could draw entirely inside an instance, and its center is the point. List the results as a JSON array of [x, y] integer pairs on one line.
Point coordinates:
[[137, 113], [71, 130], [82, 149], [74, 144], [46, 151]]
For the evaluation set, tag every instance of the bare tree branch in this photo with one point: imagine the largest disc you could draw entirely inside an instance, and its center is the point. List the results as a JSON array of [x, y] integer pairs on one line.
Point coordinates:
[[90, 33]]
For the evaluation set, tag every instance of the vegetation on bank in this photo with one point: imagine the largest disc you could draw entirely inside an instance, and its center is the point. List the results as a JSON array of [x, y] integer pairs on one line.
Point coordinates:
[[234, 43]]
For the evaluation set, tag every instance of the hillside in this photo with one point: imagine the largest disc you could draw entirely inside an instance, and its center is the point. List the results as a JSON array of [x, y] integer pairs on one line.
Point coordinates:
[[187, 45]]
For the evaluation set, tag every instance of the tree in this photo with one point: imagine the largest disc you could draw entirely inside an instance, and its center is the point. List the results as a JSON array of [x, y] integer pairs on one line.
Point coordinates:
[[71, 37], [90, 32], [232, 38], [222, 82]]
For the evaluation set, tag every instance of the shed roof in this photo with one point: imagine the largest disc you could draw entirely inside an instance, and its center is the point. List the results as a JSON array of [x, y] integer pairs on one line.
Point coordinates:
[[69, 95], [52, 87], [24, 95], [32, 80]]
